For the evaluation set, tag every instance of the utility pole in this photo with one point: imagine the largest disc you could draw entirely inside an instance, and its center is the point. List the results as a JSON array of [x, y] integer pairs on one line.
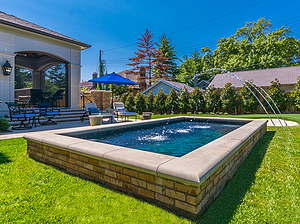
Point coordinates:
[[100, 64]]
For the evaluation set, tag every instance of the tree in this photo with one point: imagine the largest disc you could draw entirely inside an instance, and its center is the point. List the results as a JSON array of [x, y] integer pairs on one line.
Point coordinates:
[[183, 100], [124, 97], [55, 79], [277, 95], [160, 67], [255, 46], [249, 102], [149, 101], [23, 78], [295, 94], [140, 104], [211, 98], [144, 55], [129, 103], [165, 46], [189, 67], [171, 101], [229, 100], [159, 102], [197, 100]]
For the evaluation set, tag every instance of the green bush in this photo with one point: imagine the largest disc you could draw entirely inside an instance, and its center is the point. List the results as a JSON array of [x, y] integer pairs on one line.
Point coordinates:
[[211, 98], [171, 101], [129, 104], [197, 100], [295, 94], [149, 101], [159, 102], [140, 104], [183, 101], [229, 99], [4, 124], [249, 102], [277, 95], [124, 97]]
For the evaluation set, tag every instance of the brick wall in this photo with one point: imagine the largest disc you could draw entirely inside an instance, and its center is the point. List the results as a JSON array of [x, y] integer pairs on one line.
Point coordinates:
[[174, 195], [100, 97]]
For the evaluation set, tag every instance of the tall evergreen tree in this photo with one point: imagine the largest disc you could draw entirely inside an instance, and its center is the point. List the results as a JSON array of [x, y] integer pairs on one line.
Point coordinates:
[[295, 94], [150, 101], [23, 78], [183, 101], [171, 101], [159, 101], [249, 102], [165, 46], [229, 98], [144, 55], [211, 98]]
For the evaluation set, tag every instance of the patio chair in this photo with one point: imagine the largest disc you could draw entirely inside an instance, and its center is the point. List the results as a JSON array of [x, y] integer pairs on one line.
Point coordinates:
[[55, 97], [47, 111], [119, 106], [22, 115], [91, 109], [36, 96]]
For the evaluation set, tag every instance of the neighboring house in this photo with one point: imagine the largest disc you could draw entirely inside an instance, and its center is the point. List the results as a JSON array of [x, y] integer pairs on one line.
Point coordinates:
[[33, 47], [287, 77], [126, 74], [203, 84], [87, 85], [166, 86]]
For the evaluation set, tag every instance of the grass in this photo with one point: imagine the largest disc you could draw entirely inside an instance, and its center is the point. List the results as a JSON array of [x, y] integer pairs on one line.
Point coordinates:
[[265, 189]]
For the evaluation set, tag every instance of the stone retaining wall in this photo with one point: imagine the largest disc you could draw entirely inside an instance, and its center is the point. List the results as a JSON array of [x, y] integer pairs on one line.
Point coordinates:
[[187, 199]]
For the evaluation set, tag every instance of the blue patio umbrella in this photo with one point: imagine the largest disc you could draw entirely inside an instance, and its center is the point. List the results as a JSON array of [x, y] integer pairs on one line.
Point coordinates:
[[113, 79]]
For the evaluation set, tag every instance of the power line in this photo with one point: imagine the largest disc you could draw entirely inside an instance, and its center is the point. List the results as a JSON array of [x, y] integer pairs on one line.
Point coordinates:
[[207, 21]]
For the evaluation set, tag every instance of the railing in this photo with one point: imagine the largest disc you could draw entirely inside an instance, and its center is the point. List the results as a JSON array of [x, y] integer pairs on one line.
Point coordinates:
[[84, 96]]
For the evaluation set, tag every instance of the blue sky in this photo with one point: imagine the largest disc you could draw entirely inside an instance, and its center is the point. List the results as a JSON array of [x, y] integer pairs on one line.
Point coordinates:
[[110, 25]]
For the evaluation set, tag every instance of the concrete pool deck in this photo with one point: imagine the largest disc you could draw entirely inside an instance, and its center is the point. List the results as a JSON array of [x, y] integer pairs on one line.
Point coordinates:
[[186, 184]]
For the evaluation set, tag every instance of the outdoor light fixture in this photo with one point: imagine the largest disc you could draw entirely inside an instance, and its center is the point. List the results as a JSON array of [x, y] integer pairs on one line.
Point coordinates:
[[7, 68]]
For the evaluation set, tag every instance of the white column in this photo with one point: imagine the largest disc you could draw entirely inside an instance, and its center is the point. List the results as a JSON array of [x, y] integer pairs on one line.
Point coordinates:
[[74, 86], [6, 82]]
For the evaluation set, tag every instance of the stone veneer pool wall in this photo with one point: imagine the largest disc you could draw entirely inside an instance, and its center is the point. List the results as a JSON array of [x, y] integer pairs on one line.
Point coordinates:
[[188, 184]]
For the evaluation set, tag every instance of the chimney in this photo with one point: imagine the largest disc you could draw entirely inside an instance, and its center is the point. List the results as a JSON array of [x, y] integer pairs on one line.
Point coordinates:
[[94, 83]]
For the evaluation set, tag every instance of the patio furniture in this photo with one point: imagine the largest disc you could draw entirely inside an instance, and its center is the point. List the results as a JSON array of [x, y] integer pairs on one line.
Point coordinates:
[[55, 97], [22, 115], [46, 110], [146, 116], [36, 96], [91, 109], [119, 106], [96, 119]]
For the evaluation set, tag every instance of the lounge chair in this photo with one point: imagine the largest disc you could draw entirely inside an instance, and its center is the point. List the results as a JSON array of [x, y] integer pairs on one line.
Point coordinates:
[[22, 115], [121, 112], [91, 109]]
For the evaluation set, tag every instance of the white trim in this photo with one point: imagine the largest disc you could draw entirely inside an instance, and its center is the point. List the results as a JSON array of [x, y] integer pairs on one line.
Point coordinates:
[[160, 81], [8, 53], [76, 65]]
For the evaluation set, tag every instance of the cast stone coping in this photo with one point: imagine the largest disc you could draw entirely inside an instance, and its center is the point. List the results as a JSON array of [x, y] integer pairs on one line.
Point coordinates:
[[191, 169]]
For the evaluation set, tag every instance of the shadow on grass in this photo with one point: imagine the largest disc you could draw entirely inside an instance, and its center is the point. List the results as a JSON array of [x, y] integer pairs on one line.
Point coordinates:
[[223, 208], [3, 159]]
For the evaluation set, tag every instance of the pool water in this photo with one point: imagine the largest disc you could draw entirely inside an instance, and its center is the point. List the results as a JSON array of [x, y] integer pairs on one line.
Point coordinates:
[[175, 139]]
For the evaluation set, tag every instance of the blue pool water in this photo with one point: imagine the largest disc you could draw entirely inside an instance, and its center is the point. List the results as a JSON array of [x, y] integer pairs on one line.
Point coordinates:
[[175, 139]]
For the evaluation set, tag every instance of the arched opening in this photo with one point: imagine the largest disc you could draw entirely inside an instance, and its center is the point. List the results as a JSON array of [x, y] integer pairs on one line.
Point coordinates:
[[40, 70]]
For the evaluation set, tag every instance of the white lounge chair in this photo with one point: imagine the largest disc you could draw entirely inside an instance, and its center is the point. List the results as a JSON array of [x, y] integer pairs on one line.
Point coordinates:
[[91, 109], [119, 106]]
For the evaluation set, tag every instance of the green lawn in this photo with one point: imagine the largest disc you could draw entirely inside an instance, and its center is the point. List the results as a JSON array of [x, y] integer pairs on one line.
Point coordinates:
[[265, 189]]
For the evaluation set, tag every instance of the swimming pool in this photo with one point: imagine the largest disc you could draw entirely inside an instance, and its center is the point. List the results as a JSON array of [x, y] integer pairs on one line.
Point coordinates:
[[186, 184], [175, 139]]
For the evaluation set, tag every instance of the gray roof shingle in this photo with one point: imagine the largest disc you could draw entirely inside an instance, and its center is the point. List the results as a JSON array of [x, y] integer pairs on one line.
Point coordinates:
[[25, 25], [180, 85], [263, 78]]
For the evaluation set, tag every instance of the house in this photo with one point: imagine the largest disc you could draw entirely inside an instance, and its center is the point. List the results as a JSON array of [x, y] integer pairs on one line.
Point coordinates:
[[166, 86], [35, 48], [287, 77], [203, 84], [86, 85]]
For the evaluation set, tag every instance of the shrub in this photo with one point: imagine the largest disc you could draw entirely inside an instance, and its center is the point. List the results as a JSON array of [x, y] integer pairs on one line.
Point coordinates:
[[149, 101], [4, 124], [159, 102], [211, 98], [183, 101], [197, 100], [171, 101], [295, 94], [277, 95], [229, 98], [249, 102], [129, 104], [140, 104], [124, 97]]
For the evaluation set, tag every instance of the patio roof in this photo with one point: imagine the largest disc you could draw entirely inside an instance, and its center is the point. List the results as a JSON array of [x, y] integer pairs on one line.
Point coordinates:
[[16, 22]]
